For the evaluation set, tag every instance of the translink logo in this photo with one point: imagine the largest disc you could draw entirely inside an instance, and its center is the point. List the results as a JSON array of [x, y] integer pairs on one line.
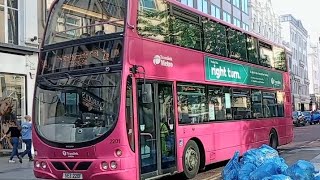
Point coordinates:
[[165, 61]]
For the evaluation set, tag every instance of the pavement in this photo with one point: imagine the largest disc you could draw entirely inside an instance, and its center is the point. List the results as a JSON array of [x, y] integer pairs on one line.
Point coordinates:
[[306, 146]]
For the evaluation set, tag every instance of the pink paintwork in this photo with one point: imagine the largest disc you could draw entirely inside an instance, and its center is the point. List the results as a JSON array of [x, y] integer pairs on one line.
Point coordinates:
[[219, 140]]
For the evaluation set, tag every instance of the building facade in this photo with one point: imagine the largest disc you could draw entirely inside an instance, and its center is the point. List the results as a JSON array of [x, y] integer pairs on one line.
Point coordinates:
[[18, 65], [264, 21], [314, 73], [296, 37], [235, 12]]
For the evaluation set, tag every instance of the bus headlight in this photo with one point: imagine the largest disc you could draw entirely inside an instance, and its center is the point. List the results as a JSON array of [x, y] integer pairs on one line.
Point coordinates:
[[43, 165], [118, 152], [104, 165], [113, 165], [37, 164]]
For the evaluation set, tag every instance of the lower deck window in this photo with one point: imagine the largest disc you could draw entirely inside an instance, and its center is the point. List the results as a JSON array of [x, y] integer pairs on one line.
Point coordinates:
[[206, 103]]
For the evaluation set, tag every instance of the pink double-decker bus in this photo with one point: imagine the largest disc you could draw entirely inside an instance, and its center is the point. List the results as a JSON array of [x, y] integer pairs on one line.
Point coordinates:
[[143, 89]]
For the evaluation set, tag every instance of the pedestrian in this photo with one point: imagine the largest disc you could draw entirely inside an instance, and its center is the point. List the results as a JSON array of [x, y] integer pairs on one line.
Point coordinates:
[[15, 137], [26, 132]]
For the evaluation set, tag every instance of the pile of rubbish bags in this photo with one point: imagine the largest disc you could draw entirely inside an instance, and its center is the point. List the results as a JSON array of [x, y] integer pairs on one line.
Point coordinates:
[[264, 163]]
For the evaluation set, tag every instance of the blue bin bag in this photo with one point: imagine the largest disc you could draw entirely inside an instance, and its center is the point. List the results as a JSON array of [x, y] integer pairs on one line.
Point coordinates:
[[301, 170], [278, 177], [246, 170], [317, 177], [259, 156], [271, 167], [231, 170]]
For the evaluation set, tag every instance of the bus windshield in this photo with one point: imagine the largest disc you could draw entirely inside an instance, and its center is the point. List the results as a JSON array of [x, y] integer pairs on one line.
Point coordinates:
[[76, 109], [71, 20]]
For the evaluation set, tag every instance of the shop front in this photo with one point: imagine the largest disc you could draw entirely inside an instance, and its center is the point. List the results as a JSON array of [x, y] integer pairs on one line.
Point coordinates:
[[17, 78]]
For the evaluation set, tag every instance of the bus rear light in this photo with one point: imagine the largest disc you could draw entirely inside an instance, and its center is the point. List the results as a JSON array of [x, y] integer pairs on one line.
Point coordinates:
[[37, 164], [118, 152], [104, 165], [43, 165], [113, 165]]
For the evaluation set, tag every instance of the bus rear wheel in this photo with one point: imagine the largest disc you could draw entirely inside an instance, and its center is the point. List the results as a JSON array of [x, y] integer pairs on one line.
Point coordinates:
[[191, 160], [273, 140]]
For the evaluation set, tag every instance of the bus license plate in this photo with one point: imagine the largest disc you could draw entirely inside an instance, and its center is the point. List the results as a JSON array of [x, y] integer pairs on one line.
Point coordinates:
[[72, 176]]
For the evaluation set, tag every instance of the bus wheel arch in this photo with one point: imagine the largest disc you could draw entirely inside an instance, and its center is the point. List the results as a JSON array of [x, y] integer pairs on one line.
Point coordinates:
[[194, 146], [273, 139]]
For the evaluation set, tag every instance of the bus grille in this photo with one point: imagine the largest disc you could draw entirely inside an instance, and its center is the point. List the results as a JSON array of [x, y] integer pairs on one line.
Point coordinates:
[[62, 166]]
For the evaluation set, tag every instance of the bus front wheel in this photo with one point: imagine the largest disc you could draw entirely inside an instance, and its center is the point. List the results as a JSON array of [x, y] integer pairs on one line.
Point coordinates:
[[191, 160]]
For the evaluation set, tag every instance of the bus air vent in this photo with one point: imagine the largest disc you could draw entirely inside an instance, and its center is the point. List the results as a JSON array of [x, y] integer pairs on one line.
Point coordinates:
[[83, 166], [59, 166], [71, 165]]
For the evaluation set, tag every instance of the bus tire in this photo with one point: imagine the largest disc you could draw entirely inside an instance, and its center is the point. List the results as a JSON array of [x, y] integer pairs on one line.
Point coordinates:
[[191, 160], [273, 139]]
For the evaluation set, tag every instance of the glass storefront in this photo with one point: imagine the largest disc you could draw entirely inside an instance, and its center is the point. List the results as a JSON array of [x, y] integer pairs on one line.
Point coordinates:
[[12, 104]]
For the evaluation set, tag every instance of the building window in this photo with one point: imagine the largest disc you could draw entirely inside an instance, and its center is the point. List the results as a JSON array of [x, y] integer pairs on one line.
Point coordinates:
[[203, 6], [245, 6], [9, 22], [245, 26], [236, 3], [148, 4], [236, 22], [187, 2], [226, 17], [215, 11], [12, 104]]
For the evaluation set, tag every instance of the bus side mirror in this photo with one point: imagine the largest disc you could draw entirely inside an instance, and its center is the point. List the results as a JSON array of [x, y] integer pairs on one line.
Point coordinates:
[[146, 93]]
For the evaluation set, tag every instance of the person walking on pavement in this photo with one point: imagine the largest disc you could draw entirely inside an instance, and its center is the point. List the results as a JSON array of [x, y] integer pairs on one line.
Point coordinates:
[[26, 132], [15, 137]]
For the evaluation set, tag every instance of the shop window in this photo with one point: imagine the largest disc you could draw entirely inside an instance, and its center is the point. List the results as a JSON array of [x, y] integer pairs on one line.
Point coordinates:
[[241, 104], [12, 104], [192, 104], [9, 19], [219, 100]]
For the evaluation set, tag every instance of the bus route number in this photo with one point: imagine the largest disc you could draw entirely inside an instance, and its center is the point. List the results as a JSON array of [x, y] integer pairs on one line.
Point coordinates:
[[114, 141]]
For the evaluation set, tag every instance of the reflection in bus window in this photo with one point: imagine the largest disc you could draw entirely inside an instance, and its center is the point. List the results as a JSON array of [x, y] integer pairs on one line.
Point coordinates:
[[237, 45], [256, 101], [215, 38], [79, 109], [83, 19], [219, 105], [253, 54], [129, 113], [280, 58], [269, 104], [192, 104], [266, 55], [241, 105], [280, 103]]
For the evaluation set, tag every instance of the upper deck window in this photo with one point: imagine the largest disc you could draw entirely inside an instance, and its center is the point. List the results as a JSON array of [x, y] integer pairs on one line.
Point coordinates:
[[70, 20]]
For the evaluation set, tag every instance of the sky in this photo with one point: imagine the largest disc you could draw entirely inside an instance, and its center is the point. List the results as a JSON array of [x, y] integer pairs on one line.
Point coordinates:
[[308, 11]]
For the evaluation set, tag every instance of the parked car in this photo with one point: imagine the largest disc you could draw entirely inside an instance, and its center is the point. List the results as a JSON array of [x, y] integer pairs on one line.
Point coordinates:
[[298, 118], [308, 116], [315, 117]]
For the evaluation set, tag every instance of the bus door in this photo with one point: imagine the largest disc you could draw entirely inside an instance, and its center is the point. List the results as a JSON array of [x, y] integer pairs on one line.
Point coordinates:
[[156, 129]]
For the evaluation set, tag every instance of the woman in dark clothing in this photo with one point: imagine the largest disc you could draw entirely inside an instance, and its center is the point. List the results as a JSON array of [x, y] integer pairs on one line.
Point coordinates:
[[15, 135]]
